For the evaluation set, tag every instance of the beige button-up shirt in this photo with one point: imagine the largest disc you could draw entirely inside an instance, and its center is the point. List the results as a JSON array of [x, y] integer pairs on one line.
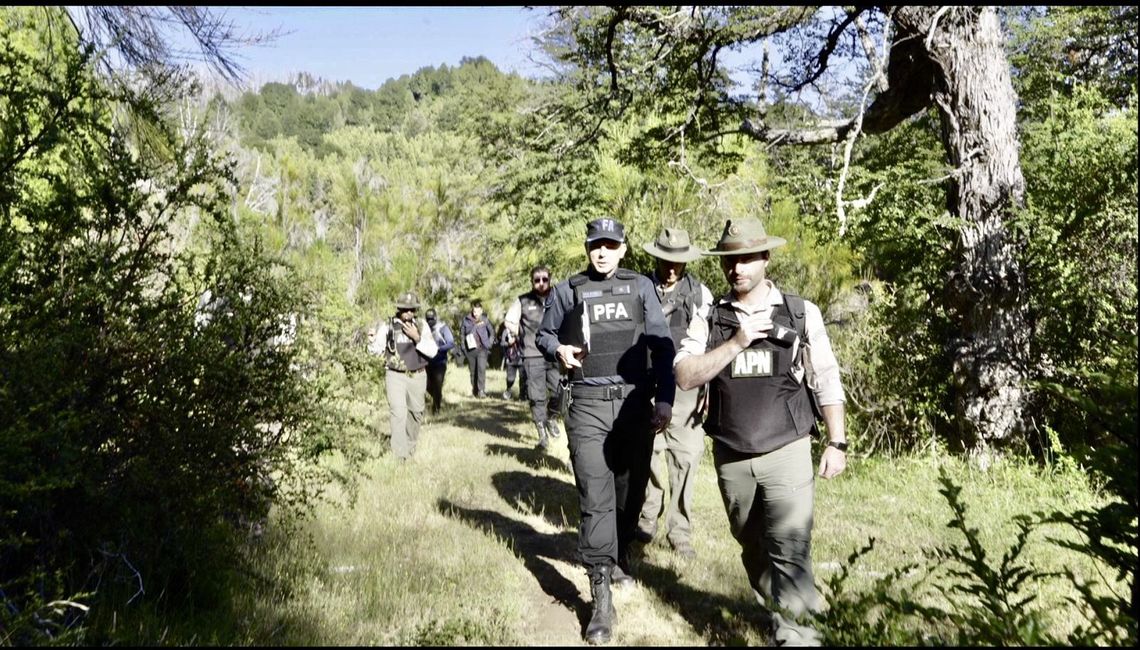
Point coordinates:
[[828, 389]]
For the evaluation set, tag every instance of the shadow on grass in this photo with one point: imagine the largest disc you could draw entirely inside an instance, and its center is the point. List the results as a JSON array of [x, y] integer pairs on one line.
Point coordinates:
[[533, 549], [490, 416], [724, 620], [529, 456], [556, 500]]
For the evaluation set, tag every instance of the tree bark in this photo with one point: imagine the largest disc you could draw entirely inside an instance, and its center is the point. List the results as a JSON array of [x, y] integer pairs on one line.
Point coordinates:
[[986, 292]]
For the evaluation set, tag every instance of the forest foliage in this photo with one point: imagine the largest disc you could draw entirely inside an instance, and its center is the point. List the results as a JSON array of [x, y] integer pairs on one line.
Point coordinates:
[[183, 283]]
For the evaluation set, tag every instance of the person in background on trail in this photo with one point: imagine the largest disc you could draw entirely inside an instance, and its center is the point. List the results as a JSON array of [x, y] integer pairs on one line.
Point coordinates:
[[604, 325], [478, 337], [437, 367], [512, 360], [683, 299], [407, 347], [540, 375], [767, 359]]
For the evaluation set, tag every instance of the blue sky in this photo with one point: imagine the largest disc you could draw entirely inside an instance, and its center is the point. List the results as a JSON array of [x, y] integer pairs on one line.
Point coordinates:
[[369, 45]]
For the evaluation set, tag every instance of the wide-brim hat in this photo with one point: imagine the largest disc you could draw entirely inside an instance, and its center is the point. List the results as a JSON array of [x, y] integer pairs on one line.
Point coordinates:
[[743, 236], [407, 300], [673, 245]]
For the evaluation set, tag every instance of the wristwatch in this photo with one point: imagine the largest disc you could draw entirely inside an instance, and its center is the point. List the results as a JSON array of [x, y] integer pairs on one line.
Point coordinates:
[[841, 446]]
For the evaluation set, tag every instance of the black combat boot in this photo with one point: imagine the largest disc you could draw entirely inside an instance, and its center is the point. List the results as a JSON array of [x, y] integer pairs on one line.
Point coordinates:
[[600, 628]]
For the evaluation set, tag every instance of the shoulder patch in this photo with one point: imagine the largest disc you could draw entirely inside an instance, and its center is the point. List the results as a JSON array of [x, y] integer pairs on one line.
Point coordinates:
[[623, 289]]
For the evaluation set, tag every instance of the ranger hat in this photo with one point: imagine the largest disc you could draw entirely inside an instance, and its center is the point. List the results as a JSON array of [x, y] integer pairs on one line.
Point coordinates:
[[743, 236], [407, 300], [605, 229], [673, 245]]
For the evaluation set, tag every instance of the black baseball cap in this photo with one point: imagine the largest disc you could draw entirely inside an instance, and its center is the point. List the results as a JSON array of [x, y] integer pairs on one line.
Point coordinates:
[[605, 229]]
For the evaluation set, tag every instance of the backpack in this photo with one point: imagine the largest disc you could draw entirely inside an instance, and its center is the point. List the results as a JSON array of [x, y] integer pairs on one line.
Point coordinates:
[[795, 305]]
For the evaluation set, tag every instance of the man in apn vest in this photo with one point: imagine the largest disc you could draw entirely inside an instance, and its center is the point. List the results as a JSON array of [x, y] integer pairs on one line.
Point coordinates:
[[604, 326], [538, 374], [752, 354], [409, 346], [683, 299]]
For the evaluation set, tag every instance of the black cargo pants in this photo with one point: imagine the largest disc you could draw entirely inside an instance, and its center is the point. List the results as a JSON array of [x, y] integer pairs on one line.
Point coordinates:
[[611, 443]]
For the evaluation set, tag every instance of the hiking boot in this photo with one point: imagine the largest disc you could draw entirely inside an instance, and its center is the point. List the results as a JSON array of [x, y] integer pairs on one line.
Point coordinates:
[[600, 627], [552, 429], [620, 578], [643, 535], [507, 395]]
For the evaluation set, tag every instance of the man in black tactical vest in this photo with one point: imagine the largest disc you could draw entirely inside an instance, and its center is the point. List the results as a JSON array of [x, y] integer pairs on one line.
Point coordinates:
[[683, 298], [757, 351], [409, 346], [539, 375], [603, 326]]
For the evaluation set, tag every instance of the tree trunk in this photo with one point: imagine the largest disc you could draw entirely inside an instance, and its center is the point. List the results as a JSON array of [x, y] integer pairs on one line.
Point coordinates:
[[986, 292]]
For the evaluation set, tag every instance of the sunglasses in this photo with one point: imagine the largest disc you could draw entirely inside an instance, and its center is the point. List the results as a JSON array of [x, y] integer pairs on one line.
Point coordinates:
[[540, 279]]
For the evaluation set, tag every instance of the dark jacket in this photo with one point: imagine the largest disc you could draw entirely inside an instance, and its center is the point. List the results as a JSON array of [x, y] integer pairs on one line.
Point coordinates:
[[443, 338], [484, 332]]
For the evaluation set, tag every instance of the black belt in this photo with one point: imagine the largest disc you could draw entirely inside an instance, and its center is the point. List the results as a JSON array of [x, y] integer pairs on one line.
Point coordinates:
[[608, 392], [406, 372]]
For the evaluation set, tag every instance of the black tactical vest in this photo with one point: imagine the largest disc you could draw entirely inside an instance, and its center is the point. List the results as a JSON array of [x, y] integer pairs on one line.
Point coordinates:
[[679, 306], [756, 403], [608, 320], [402, 354], [529, 321]]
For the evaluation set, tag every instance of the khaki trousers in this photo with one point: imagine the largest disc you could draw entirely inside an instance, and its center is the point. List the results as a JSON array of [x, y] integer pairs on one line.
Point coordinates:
[[769, 500], [682, 444], [405, 409]]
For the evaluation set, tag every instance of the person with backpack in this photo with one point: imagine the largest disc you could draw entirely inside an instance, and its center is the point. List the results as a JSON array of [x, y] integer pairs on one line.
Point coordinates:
[[606, 329], [683, 298], [512, 361], [407, 348], [758, 352]]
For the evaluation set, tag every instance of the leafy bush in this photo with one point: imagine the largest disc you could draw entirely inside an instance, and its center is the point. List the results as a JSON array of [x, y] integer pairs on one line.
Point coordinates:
[[144, 432]]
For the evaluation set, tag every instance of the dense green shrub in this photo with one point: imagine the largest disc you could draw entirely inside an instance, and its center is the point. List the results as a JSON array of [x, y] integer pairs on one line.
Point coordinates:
[[145, 429]]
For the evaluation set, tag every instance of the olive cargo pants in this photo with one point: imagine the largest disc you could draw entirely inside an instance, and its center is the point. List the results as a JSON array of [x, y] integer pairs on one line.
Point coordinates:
[[769, 500]]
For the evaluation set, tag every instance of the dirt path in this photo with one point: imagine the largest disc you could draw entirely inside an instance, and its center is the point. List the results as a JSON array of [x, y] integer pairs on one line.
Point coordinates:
[[541, 529]]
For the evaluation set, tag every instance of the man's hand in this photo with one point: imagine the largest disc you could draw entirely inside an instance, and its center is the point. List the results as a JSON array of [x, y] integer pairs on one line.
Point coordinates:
[[754, 327], [832, 462], [662, 414], [410, 330], [571, 356]]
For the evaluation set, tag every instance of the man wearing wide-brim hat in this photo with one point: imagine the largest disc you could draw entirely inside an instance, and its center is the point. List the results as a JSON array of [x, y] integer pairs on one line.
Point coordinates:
[[757, 352], [683, 298], [408, 347]]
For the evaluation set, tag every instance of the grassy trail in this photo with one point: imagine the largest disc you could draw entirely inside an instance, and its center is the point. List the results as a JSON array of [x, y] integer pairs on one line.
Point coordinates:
[[472, 543]]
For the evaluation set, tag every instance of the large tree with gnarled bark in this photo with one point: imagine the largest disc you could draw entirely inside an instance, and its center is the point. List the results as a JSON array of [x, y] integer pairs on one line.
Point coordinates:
[[904, 60]]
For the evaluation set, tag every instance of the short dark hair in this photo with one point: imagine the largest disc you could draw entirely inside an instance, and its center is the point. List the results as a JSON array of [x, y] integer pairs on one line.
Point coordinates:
[[475, 302], [539, 268]]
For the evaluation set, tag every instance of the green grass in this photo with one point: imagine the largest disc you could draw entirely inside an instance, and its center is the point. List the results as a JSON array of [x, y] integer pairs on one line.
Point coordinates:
[[472, 543]]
